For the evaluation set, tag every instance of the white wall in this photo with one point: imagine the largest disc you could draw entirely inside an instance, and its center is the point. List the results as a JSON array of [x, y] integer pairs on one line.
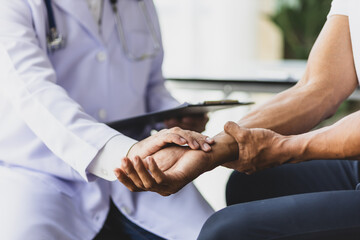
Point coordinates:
[[208, 35]]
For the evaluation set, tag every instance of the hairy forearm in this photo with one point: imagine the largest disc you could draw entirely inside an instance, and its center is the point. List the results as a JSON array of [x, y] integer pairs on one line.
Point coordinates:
[[288, 113], [291, 112], [294, 111], [329, 79], [339, 141]]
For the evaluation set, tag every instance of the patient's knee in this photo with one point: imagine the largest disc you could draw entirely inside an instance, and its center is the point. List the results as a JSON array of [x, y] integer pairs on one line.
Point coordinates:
[[226, 224]]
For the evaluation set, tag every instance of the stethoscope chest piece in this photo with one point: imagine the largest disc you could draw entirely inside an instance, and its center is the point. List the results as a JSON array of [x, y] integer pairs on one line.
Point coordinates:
[[55, 41]]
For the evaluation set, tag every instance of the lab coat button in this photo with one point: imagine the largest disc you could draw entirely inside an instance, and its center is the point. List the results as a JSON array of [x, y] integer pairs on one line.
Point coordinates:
[[101, 57], [125, 210], [102, 114]]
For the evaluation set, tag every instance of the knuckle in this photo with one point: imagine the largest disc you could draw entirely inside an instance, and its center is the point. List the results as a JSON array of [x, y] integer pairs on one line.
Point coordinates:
[[241, 135], [160, 181], [189, 134], [175, 129], [136, 164], [139, 185], [173, 136], [227, 125], [148, 185]]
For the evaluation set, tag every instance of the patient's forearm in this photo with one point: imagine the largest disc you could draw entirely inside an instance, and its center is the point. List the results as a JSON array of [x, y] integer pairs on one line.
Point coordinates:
[[339, 141], [224, 150], [261, 148], [329, 79], [294, 111]]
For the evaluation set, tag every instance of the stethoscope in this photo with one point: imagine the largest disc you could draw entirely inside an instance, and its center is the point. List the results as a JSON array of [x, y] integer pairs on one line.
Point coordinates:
[[56, 41]]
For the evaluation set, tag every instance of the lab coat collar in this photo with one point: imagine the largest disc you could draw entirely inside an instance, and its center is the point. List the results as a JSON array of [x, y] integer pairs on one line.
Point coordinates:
[[77, 9]]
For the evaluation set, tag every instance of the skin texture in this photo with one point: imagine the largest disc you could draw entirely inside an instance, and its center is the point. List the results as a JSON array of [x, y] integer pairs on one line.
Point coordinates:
[[172, 168], [174, 135], [277, 132]]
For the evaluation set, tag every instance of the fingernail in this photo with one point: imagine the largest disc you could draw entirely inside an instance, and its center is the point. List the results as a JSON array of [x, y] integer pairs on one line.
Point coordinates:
[[206, 147], [124, 162], [183, 141], [196, 144], [117, 174], [209, 140]]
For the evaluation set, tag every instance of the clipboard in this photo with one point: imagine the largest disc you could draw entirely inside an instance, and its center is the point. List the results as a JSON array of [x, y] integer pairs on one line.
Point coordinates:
[[182, 110]]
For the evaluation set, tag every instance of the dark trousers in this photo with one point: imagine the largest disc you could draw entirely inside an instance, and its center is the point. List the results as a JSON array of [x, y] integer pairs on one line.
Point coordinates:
[[118, 227], [314, 200]]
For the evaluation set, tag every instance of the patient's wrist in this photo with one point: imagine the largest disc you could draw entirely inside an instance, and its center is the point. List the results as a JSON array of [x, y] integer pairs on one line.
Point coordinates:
[[224, 150], [292, 149]]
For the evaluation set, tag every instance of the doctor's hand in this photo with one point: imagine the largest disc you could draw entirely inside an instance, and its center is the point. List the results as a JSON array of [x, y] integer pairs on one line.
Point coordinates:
[[257, 148], [196, 122], [166, 172], [171, 168], [178, 136]]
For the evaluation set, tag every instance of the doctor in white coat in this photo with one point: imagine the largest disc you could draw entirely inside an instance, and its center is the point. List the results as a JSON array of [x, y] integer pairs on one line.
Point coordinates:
[[56, 157]]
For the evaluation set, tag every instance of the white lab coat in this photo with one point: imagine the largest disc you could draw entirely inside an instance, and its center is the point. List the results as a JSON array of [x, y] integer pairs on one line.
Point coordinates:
[[51, 107]]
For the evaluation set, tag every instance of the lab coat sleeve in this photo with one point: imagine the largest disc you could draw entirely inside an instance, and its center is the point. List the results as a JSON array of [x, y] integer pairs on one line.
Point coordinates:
[[28, 81], [158, 97], [109, 157]]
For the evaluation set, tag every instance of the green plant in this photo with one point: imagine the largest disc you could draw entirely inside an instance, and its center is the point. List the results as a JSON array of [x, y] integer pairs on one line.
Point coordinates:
[[300, 22]]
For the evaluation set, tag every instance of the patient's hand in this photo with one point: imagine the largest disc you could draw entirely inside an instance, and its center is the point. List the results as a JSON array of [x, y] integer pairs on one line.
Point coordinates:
[[166, 172], [258, 148], [171, 168]]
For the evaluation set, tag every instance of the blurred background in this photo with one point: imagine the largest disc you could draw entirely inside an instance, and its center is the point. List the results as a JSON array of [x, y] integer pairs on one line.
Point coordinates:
[[208, 36], [256, 41]]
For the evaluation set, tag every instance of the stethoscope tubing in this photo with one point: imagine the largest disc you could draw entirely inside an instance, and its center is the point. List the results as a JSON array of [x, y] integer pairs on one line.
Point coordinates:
[[56, 41], [50, 13]]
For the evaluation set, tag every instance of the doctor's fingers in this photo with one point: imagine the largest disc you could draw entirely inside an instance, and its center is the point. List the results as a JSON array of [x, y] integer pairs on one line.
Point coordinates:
[[124, 179], [193, 139], [165, 186], [148, 182], [157, 174], [146, 178], [128, 168]]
